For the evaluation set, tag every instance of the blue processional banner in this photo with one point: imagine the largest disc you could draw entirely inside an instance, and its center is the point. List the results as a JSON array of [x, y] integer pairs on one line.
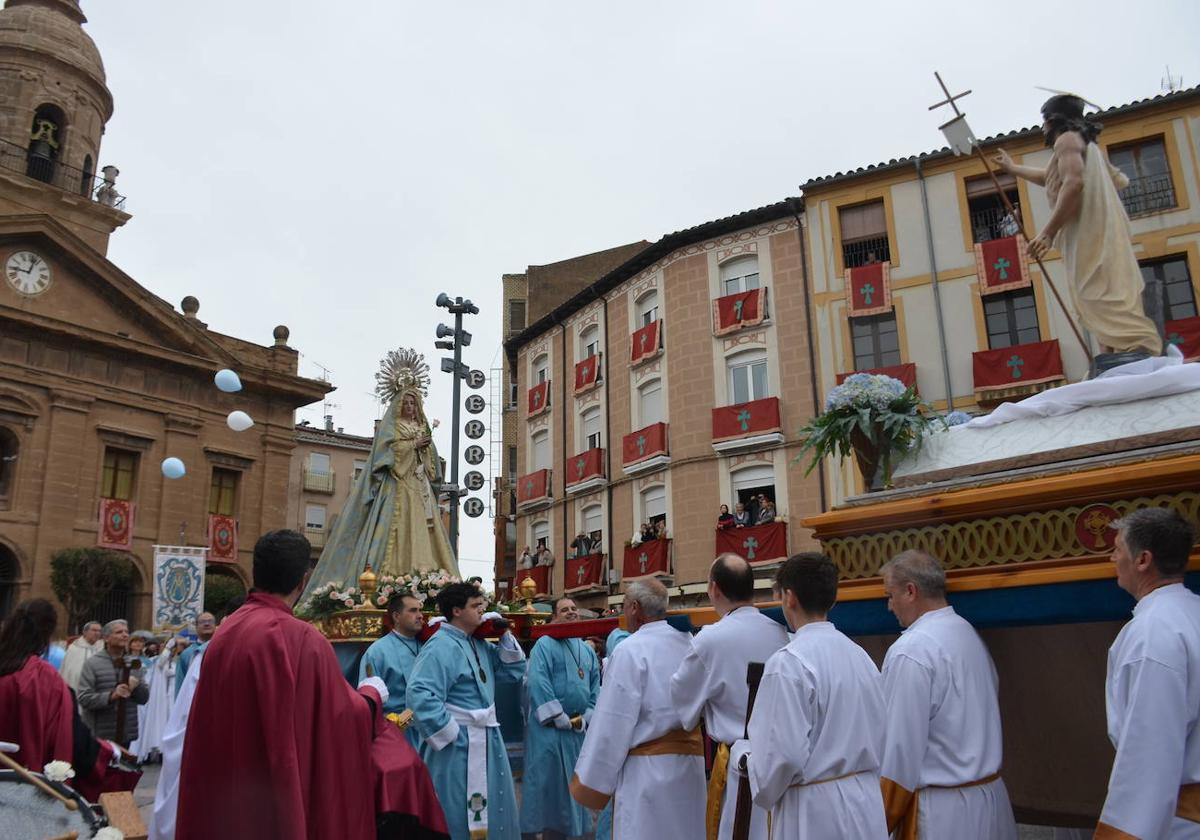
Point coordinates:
[[178, 586]]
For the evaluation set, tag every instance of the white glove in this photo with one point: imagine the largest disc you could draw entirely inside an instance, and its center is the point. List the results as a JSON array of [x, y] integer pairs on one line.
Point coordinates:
[[561, 721], [377, 684], [739, 750], [490, 616], [437, 619], [7, 747]]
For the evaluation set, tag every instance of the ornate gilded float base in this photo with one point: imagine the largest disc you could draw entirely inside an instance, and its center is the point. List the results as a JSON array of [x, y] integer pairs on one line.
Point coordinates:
[[360, 625]]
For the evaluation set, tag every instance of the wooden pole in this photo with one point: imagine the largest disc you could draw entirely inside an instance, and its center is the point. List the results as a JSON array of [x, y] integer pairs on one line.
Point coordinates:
[[745, 802], [1012, 211]]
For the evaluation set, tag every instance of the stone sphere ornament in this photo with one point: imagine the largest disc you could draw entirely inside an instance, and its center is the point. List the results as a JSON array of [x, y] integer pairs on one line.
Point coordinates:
[[228, 381], [239, 421], [173, 468]]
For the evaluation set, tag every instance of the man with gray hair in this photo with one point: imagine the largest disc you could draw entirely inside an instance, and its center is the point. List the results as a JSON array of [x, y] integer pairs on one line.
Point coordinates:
[[943, 745], [79, 652], [636, 752], [1152, 690], [104, 695]]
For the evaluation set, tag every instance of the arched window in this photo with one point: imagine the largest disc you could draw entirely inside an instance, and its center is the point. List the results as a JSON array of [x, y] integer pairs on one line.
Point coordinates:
[[590, 425], [650, 403], [9, 573], [45, 143], [89, 175], [10, 448], [541, 369], [647, 308], [589, 342], [739, 275], [747, 376], [540, 448]]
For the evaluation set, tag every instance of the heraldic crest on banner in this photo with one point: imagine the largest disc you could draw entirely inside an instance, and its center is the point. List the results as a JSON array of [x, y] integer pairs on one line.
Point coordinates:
[[178, 585]]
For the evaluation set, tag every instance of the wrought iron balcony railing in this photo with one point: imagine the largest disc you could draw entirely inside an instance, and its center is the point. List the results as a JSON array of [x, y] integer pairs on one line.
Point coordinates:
[[14, 158], [1148, 194]]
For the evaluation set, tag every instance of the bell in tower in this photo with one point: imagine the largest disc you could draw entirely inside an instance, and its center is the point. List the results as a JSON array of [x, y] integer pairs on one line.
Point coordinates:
[[54, 105]]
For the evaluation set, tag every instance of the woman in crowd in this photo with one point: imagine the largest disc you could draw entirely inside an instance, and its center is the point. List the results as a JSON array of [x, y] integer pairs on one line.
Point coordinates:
[[725, 520]]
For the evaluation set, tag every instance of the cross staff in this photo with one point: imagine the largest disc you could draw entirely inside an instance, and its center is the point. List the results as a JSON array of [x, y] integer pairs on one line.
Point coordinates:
[[951, 100]]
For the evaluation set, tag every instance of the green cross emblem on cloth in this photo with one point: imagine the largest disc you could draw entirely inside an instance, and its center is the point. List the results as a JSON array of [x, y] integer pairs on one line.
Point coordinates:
[[537, 398], [1175, 338], [1002, 266], [642, 339], [867, 291], [641, 444], [744, 418], [737, 309], [581, 572], [579, 465], [750, 544], [476, 804], [529, 487], [1016, 363], [642, 561]]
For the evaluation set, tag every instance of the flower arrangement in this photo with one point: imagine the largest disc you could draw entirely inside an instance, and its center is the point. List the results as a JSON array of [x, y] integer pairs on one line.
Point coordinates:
[[330, 598], [875, 418]]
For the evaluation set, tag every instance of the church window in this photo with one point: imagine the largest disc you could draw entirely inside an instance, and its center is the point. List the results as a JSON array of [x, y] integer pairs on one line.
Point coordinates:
[[45, 143], [876, 341], [119, 475], [89, 175], [1011, 318], [864, 234], [222, 495]]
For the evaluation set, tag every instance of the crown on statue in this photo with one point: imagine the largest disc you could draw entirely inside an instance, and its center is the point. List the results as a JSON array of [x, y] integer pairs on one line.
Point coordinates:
[[399, 371]]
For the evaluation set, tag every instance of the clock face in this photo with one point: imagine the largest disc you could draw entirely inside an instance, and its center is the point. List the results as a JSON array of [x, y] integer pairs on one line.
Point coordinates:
[[27, 272]]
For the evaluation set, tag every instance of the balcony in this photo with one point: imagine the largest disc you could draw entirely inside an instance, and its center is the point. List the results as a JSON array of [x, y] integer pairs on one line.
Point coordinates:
[[533, 491], [1148, 194], [1016, 372], [315, 482], [586, 471], [316, 536], [14, 158], [750, 425], [538, 399], [646, 449]]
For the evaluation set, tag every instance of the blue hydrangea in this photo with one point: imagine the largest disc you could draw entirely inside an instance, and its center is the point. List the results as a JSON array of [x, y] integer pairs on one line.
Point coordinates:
[[957, 418], [865, 390]]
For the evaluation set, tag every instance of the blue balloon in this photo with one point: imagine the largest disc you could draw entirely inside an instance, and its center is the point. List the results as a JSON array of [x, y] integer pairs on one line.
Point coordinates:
[[173, 468], [228, 381]]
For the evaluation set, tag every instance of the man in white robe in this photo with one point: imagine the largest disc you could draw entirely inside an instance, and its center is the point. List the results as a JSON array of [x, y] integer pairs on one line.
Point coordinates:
[[166, 794], [637, 752], [79, 651], [1152, 690], [711, 681], [816, 734], [943, 749]]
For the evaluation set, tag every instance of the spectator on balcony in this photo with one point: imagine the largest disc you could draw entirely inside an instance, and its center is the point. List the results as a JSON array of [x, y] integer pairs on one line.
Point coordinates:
[[544, 556], [741, 517], [582, 545], [766, 513], [725, 519], [660, 530], [1009, 225], [526, 560]]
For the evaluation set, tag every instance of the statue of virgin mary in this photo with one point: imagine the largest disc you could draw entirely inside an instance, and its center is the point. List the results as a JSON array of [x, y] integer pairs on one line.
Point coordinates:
[[391, 518]]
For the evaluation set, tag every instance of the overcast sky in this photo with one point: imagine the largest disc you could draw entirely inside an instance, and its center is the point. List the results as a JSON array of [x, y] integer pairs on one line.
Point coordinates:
[[332, 166]]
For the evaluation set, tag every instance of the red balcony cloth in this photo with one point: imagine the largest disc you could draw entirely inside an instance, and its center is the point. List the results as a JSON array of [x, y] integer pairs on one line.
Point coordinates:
[[587, 374], [539, 398], [533, 487], [644, 443], [757, 417], [1021, 364], [645, 343], [584, 572], [758, 543], [744, 309], [1184, 333], [868, 289], [652, 557], [1002, 265], [585, 465]]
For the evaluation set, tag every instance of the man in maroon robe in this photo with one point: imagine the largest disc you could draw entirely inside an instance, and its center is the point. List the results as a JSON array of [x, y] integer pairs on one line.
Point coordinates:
[[278, 744]]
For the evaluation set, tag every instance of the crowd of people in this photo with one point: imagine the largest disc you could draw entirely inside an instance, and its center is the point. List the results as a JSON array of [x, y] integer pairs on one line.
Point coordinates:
[[756, 510], [268, 738]]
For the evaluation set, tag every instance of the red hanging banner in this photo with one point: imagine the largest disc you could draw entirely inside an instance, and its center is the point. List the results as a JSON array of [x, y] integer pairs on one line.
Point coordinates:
[[222, 538], [587, 374], [757, 417], [758, 543], [744, 309], [1021, 364], [1184, 333], [1002, 264], [584, 572], [585, 465], [868, 289], [645, 343], [534, 487], [906, 373], [116, 525], [539, 398], [644, 443], [653, 557]]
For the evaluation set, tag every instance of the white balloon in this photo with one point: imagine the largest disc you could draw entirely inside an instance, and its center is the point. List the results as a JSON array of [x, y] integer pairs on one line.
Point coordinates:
[[239, 421], [173, 468], [228, 381]]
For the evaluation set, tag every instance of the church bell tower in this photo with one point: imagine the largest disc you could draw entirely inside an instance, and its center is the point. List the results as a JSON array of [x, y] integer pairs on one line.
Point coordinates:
[[54, 105]]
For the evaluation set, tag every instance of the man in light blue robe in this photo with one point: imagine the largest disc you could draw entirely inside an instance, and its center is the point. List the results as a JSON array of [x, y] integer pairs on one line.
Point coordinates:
[[391, 658], [564, 682], [452, 691], [206, 626]]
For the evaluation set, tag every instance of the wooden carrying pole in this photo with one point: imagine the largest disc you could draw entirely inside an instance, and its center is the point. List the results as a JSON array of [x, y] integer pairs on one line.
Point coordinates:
[[1016, 215], [745, 803]]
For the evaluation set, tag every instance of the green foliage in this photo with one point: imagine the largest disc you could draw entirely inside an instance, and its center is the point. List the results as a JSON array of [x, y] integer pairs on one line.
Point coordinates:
[[83, 577], [219, 590]]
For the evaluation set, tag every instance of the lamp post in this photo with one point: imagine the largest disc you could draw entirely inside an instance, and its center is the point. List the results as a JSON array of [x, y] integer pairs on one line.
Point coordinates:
[[454, 339]]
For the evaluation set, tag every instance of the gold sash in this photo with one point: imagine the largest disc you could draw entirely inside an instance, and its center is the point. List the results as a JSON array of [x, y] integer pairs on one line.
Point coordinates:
[[716, 792], [900, 804], [675, 742]]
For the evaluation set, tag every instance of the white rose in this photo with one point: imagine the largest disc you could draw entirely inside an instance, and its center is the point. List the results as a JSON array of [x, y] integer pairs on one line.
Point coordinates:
[[348, 602], [58, 771], [109, 833]]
